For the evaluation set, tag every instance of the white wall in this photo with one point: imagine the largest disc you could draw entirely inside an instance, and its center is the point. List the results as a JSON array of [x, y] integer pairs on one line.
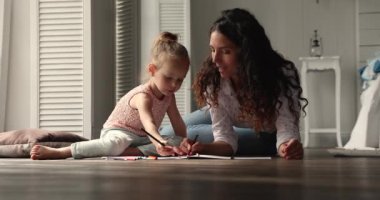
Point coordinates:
[[103, 39], [149, 30], [5, 19], [18, 96]]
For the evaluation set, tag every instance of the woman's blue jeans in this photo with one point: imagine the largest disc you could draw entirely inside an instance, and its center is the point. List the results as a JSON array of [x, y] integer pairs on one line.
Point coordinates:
[[249, 142]]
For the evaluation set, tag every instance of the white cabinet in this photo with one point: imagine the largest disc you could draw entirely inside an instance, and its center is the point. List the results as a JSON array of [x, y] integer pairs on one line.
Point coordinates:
[[72, 65], [61, 67], [315, 64]]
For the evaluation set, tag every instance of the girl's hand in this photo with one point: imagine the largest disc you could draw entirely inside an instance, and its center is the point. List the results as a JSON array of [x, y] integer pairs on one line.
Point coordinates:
[[178, 151], [165, 150], [291, 149]]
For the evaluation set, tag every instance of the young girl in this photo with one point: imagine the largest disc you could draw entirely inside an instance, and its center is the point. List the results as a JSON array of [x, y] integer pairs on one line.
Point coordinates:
[[142, 108]]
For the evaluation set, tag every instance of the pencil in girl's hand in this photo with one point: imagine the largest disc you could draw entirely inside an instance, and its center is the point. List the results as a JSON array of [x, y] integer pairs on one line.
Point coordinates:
[[152, 137]]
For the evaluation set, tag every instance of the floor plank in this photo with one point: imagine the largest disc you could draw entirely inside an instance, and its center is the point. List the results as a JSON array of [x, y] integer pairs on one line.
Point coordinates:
[[318, 176]]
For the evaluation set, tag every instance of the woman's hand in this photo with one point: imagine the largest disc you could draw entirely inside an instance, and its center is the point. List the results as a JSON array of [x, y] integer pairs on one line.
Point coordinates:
[[291, 149], [169, 150], [190, 147]]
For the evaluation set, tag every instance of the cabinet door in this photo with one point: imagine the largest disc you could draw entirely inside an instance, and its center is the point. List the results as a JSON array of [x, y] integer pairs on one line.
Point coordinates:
[[61, 66]]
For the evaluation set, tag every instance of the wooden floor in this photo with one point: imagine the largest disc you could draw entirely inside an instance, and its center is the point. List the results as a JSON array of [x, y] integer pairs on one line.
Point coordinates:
[[319, 176]]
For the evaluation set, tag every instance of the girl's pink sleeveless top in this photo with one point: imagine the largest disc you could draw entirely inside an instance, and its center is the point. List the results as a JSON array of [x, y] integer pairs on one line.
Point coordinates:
[[125, 117]]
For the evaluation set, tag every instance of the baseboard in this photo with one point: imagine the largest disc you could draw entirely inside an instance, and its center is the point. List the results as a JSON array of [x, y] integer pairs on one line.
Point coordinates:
[[326, 140]]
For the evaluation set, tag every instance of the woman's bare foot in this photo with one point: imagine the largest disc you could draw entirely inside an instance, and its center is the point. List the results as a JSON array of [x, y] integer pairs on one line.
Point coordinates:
[[39, 152]]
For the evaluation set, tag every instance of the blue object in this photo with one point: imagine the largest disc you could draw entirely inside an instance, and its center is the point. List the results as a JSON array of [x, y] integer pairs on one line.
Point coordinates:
[[376, 66], [369, 72], [249, 142], [361, 70]]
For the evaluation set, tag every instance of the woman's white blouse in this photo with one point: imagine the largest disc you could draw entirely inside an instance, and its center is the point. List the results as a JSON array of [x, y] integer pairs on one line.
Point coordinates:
[[225, 116]]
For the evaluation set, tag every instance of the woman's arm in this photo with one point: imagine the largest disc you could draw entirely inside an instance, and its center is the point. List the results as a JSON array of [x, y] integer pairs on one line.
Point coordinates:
[[222, 117], [291, 149], [288, 135], [225, 139], [215, 148]]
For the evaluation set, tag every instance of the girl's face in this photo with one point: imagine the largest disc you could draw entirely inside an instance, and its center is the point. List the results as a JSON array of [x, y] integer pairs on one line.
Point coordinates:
[[169, 76], [224, 54]]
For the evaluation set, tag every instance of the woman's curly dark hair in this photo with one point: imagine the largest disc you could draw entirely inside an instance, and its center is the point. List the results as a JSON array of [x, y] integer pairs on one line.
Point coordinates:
[[267, 75]]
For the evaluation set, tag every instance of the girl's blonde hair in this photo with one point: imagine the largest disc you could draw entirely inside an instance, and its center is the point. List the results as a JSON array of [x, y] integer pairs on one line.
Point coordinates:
[[167, 45]]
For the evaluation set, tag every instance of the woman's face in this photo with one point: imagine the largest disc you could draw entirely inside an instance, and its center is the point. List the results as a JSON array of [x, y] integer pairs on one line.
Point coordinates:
[[224, 54]]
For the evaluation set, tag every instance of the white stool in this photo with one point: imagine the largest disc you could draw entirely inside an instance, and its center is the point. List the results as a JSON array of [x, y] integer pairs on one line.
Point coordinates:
[[321, 64]]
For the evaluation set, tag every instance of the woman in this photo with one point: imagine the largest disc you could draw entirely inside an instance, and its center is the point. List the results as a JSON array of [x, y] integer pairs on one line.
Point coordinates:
[[245, 83]]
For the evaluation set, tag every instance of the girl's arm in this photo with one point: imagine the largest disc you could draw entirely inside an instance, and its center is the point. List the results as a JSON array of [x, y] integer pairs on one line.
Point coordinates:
[[143, 104], [176, 120]]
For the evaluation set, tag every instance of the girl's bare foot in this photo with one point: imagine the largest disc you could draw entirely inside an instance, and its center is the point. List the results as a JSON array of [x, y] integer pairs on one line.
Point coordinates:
[[39, 152]]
